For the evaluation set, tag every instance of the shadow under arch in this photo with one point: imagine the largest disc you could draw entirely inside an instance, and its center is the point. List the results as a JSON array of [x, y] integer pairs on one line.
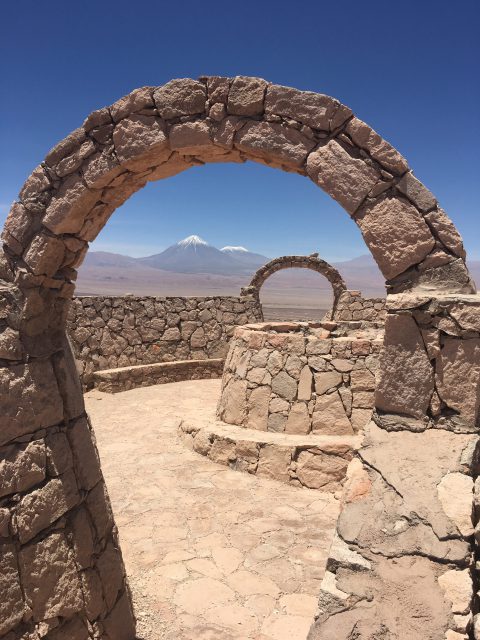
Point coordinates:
[[150, 134]]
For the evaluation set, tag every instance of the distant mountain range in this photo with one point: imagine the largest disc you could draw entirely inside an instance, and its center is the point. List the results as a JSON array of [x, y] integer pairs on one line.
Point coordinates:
[[194, 255], [193, 267]]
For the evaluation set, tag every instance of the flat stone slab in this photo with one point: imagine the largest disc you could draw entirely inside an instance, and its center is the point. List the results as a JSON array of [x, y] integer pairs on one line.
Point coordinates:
[[210, 554], [145, 375], [313, 461]]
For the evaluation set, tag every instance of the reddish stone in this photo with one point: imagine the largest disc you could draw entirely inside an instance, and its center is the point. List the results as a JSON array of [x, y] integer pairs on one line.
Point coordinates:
[[274, 142], [346, 178], [246, 95], [396, 234], [181, 97], [313, 109]]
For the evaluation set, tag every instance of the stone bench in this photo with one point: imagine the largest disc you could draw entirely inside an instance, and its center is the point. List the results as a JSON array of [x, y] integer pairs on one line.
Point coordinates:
[[146, 375], [313, 461]]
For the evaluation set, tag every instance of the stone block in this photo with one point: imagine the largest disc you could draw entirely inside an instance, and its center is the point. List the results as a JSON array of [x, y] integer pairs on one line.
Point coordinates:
[[100, 510], [329, 416], [458, 377], [191, 138], [405, 383], [274, 462], [380, 150], [315, 110], [136, 100], [40, 508], [326, 380], [233, 402], [180, 97], [45, 255], [362, 380], [12, 605], [49, 578], [258, 408], [415, 191], [70, 206], [305, 384], [273, 142], [284, 385], [222, 451], [21, 467], [245, 97], [138, 135], [82, 537], [29, 399], [344, 177], [298, 420], [321, 471], [396, 234], [444, 229]]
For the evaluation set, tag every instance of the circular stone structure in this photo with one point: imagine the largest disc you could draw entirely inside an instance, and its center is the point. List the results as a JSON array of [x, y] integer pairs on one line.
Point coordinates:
[[301, 378]]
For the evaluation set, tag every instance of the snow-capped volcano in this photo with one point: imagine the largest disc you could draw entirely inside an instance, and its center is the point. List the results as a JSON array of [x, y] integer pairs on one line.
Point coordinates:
[[193, 254], [192, 241], [231, 249]]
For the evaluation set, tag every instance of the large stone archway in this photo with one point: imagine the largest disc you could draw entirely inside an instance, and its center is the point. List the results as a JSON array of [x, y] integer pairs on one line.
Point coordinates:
[[59, 553]]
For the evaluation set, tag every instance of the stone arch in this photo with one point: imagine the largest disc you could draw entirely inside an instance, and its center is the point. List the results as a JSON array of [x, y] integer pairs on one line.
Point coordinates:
[[312, 262], [150, 134]]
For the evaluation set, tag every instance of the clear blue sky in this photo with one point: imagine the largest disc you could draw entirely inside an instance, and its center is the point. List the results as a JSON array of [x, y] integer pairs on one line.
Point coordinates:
[[409, 69]]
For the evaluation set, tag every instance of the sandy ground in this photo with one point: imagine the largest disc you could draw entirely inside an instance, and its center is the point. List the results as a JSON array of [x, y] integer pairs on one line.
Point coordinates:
[[211, 553]]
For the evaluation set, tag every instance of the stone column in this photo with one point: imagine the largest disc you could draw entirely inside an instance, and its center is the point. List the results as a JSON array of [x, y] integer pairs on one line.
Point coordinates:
[[402, 562], [61, 570]]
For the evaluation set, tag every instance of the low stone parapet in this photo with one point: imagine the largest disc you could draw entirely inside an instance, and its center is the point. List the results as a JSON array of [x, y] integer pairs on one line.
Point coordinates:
[[315, 462], [146, 375]]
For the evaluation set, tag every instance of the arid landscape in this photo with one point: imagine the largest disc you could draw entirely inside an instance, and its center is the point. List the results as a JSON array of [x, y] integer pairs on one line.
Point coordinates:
[[288, 295]]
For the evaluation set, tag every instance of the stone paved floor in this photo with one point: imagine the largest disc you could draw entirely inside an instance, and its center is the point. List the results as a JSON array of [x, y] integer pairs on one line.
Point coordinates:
[[211, 553]]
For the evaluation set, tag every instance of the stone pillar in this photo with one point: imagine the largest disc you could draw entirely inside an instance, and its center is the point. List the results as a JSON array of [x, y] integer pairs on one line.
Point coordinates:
[[402, 562], [61, 570]]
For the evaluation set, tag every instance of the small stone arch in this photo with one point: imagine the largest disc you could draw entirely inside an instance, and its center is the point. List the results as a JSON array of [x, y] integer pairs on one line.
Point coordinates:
[[431, 333], [312, 262]]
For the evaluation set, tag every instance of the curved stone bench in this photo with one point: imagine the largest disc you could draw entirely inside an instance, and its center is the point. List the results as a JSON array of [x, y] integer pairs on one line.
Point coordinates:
[[146, 375], [315, 462]]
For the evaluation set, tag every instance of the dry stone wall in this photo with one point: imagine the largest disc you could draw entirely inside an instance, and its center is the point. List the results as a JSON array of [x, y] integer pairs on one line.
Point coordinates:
[[352, 305], [296, 378], [403, 567], [108, 332]]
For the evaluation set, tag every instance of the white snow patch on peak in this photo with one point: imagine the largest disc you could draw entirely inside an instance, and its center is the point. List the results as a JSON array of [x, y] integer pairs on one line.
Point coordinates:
[[231, 248], [191, 241]]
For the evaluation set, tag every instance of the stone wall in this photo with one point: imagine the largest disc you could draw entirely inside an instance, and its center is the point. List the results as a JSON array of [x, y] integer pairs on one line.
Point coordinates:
[[352, 305], [108, 332], [293, 378], [408, 504]]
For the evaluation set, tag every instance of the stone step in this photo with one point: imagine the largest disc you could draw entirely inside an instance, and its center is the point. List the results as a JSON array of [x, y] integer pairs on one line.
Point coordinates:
[[313, 461], [146, 375]]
